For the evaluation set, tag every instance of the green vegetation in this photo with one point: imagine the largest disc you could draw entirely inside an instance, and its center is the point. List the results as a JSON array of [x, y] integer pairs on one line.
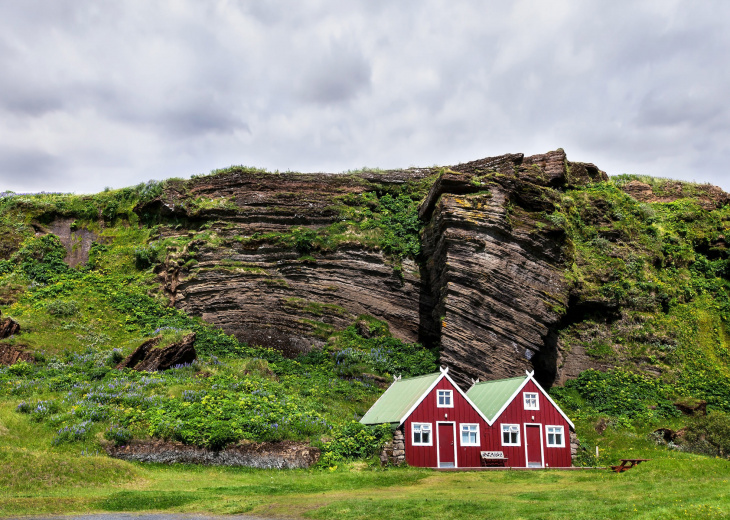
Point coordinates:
[[81, 322], [657, 276], [673, 484], [651, 298], [388, 223]]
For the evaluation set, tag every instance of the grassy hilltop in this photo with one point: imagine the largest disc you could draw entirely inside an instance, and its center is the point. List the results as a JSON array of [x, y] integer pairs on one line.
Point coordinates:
[[650, 280]]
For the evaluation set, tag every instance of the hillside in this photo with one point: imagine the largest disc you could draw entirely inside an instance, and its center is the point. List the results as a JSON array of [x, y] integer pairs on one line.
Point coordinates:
[[307, 292]]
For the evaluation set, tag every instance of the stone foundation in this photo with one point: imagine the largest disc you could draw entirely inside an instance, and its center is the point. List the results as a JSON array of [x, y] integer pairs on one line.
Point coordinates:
[[574, 445], [267, 455], [394, 452]]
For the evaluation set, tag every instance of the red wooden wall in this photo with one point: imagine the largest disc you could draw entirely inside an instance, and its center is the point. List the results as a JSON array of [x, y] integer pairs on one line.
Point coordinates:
[[428, 412], [490, 438], [547, 415]]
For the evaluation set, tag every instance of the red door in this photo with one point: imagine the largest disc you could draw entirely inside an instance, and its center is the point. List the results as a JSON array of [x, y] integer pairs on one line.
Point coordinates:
[[533, 445], [446, 445]]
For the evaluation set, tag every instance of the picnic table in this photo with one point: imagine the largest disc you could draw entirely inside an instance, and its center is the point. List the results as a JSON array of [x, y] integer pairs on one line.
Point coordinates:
[[627, 464]]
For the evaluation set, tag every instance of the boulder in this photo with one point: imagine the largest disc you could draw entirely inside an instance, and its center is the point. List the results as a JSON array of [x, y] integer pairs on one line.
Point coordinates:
[[692, 407], [148, 358], [8, 327], [9, 355], [667, 434]]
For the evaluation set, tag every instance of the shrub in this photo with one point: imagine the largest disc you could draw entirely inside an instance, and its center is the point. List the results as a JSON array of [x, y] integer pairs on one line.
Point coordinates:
[[146, 257], [119, 435], [354, 441], [41, 258], [62, 308], [74, 432], [709, 435], [21, 369], [619, 393]]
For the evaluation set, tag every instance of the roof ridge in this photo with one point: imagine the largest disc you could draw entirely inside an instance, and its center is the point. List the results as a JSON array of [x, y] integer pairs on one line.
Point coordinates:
[[499, 380], [418, 377]]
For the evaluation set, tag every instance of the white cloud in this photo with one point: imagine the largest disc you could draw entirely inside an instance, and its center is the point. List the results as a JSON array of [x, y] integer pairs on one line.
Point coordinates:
[[115, 93]]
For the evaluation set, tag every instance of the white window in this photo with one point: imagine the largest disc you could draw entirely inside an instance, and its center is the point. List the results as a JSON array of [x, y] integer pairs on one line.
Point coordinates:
[[422, 434], [470, 435], [510, 435], [531, 402], [444, 399], [555, 437]]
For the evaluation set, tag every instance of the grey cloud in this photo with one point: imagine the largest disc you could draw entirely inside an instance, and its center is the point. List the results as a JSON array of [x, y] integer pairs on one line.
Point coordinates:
[[28, 169], [326, 85], [338, 75]]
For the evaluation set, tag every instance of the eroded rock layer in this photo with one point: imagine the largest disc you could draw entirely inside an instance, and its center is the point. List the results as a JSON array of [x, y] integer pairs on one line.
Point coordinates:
[[495, 265], [487, 288]]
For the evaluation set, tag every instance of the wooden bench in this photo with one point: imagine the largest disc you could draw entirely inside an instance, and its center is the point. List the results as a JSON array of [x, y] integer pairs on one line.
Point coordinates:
[[627, 464], [493, 459]]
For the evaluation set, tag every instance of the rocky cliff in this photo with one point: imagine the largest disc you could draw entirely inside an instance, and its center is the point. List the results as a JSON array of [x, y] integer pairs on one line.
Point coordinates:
[[282, 260]]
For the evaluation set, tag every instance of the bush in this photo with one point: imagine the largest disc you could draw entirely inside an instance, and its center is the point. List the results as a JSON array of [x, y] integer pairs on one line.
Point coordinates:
[[21, 369], [709, 435], [146, 257], [354, 441], [619, 393], [41, 258], [119, 435], [62, 308], [75, 432]]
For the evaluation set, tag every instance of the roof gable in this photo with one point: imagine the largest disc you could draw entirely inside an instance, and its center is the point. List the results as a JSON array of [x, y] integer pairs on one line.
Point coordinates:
[[399, 399], [491, 397], [404, 395]]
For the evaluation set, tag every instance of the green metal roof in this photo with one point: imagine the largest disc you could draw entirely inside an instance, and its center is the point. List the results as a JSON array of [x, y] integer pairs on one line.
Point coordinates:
[[491, 396], [398, 399]]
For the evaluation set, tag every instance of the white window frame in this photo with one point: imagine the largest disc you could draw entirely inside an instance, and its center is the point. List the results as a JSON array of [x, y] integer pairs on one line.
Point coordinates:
[[557, 430], [511, 430], [445, 393], [413, 434], [466, 428], [527, 397]]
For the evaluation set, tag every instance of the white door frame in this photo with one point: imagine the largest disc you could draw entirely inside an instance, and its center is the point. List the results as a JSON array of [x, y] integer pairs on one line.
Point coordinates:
[[438, 443], [542, 450]]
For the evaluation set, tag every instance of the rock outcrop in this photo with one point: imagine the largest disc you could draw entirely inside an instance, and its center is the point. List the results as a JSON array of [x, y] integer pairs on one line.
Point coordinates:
[[76, 241], [8, 327], [707, 196], [488, 288], [267, 455], [495, 266], [270, 294], [9, 355], [151, 359]]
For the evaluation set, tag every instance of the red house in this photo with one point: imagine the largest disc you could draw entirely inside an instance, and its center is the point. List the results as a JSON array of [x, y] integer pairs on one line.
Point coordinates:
[[444, 427]]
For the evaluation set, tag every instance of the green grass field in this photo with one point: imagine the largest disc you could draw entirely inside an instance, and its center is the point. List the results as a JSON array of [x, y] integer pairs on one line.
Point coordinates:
[[38, 478]]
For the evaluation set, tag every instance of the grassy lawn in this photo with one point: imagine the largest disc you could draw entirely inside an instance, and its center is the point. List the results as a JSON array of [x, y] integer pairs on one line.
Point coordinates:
[[38, 478], [682, 486]]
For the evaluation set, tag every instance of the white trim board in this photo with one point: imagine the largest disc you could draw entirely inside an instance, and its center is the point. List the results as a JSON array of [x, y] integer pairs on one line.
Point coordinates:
[[438, 443], [529, 377], [542, 449], [444, 373]]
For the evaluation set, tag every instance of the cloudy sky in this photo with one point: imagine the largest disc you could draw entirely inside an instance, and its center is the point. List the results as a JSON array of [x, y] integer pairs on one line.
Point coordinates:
[[112, 93]]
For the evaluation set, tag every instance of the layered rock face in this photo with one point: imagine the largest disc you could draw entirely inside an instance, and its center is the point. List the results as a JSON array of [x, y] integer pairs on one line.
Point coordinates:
[[495, 265], [487, 288], [270, 294]]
